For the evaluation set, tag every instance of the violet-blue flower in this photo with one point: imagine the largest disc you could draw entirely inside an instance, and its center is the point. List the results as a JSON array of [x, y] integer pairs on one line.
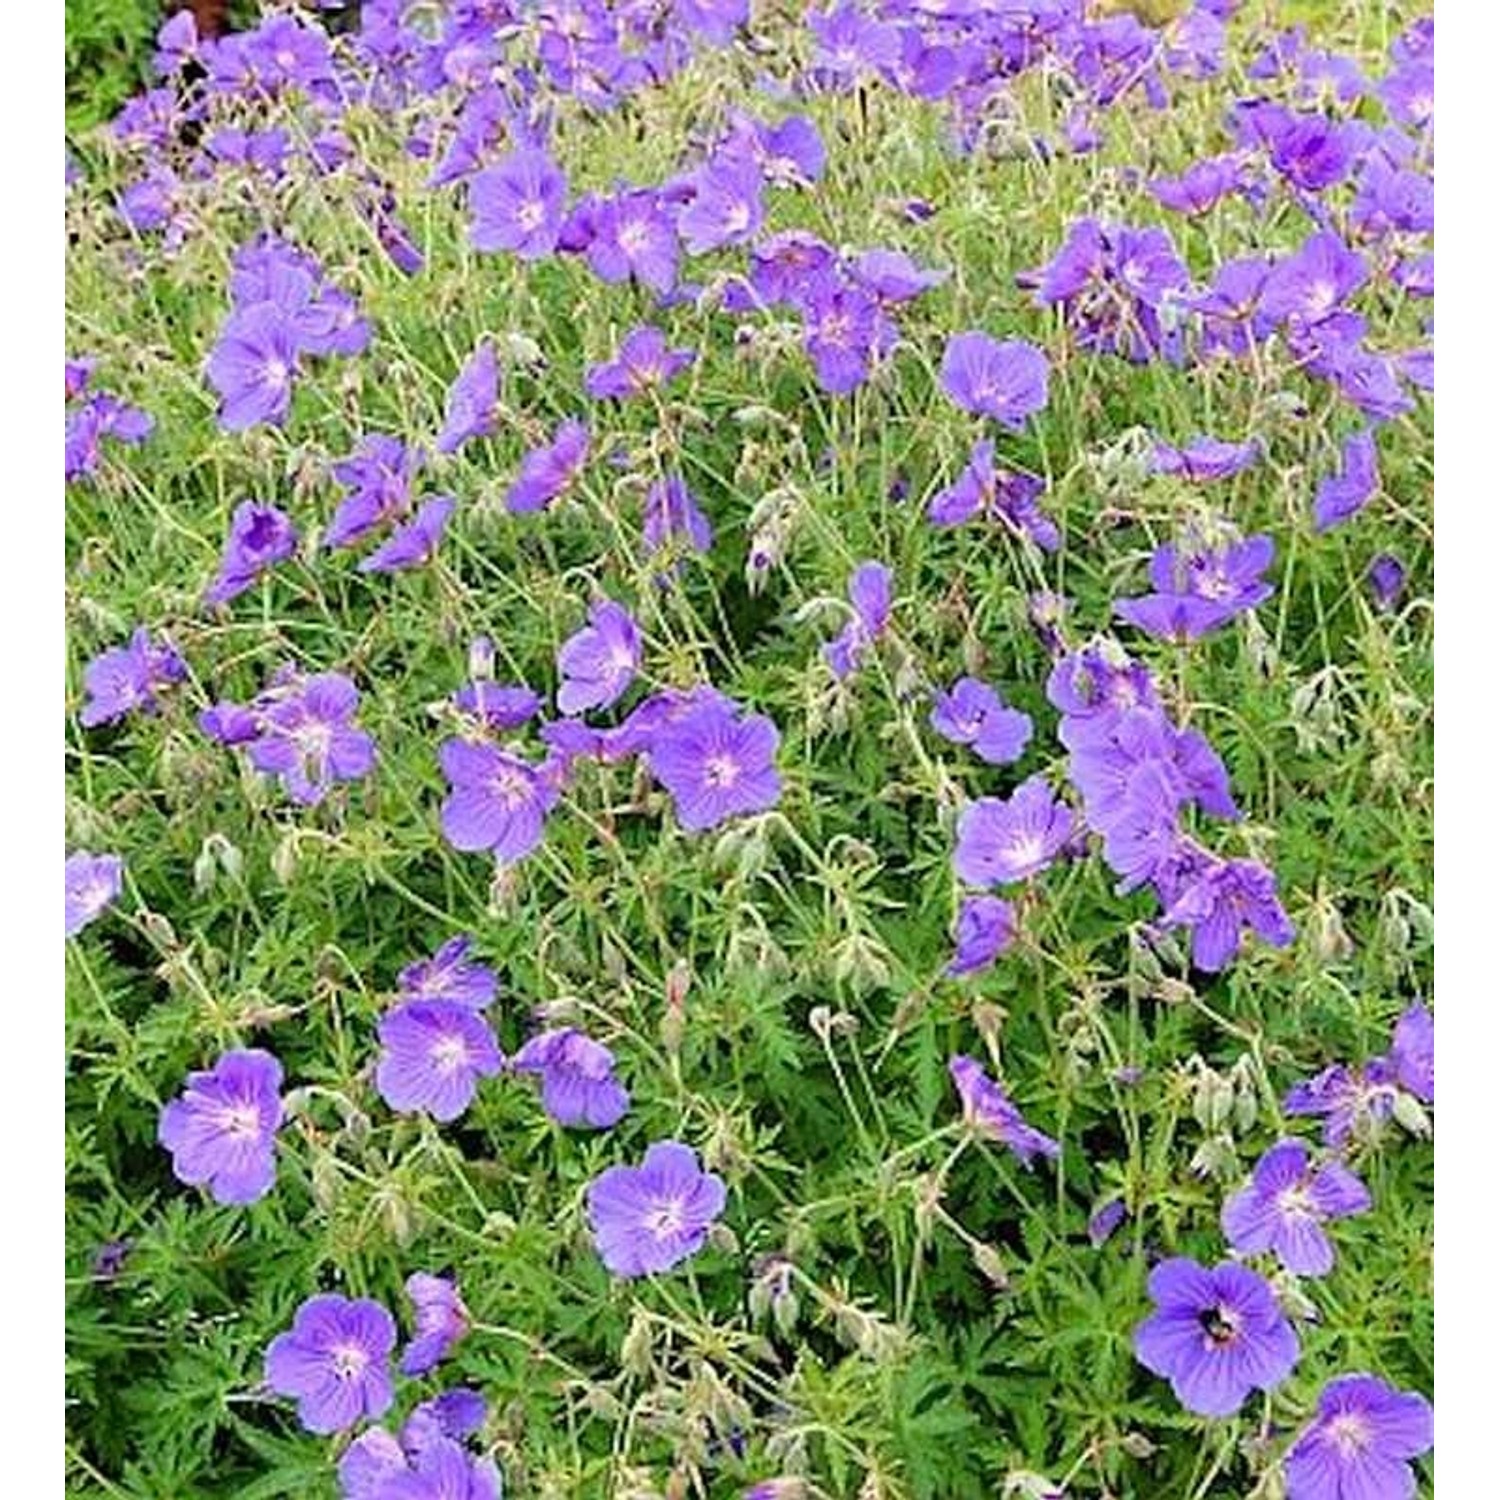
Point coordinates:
[[649, 1218], [1014, 839], [1006, 381], [599, 662], [260, 536], [988, 1110], [972, 713], [432, 1055], [335, 1359], [1360, 1442], [222, 1130], [92, 882], [579, 1087], [1284, 1206], [441, 1321], [1216, 1335]]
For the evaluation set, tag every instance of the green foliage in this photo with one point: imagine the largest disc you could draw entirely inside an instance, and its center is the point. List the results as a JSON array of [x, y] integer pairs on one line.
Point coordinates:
[[945, 1322], [108, 55]]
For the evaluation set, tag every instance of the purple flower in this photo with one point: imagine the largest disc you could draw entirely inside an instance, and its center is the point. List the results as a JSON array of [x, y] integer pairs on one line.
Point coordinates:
[[989, 1112], [650, 1218], [1216, 1335], [725, 208], [415, 543], [128, 678], [91, 882], [252, 368], [1105, 1220], [432, 1055], [1002, 841], [986, 928], [472, 400], [498, 801], [1206, 458], [870, 596], [717, 763], [1200, 187], [335, 1360], [632, 236], [1412, 1052], [222, 1131], [844, 331], [260, 536], [1221, 900], [306, 735], [1285, 1205], [892, 277], [1200, 586], [1005, 381], [642, 363], [547, 472], [496, 705], [441, 1321], [1343, 495], [1387, 580], [671, 511], [1311, 285], [579, 1087], [971, 712], [1352, 1101], [1010, 496], [449, 975], [1359, 1444], [100, 416], [378, 476], [599, 662], [518, 205]]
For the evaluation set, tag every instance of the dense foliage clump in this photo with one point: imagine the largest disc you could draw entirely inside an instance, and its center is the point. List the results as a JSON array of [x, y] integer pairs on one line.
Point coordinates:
[[749, 754]]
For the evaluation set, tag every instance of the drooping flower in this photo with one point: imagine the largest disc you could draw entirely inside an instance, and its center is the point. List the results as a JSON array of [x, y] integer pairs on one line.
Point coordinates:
[[1006, 381], [972, 713], [547, 472], [988, 1110], [1219, 901], [92, 882], [498, 801], [1285, 1205], [518, 205], [441, 1321], [378, 477], [870, 598], [433, 1054], [1387, 580], [1003, 841], [1006, 495], [672, 512], [1207, 458], [127, 679], [1216, 1335], [650, 1218], [416, 542], [472, 400], [335, 1359], [598, 663], [717, 763], [451, 975], [1343, 495], [260, 536], [222, 1130], [1412, 1052], [1360, 1443], [579, 1087], [1351, 1101], [986, 927]]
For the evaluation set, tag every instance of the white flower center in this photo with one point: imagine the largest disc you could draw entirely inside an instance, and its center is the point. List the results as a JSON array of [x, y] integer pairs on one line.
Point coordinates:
[[348, 1360], [666, 1219], [1349, 1433], [241, 1121], [721, 771], [531, 214], [449, 1054]]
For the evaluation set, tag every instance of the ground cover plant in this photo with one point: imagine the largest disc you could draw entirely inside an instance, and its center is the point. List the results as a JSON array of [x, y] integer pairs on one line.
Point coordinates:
[[749, 754]]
